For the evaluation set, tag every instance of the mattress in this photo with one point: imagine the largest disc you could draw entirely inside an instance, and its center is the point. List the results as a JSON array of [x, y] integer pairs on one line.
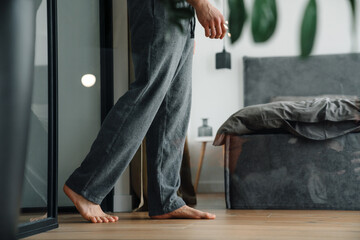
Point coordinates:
[[281, 171]]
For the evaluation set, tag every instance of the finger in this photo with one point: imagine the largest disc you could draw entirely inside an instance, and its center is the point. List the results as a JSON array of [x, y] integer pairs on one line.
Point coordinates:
[[207, 31], [223, 26], [224, 30], [213, 31], [219, 30]]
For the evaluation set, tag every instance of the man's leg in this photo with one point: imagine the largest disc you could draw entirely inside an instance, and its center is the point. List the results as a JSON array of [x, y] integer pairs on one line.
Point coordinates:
[[156, 60], [165, 141], [165, 145]]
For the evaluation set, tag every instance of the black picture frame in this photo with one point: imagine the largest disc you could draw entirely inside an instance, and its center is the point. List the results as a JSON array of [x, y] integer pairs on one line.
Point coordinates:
[[51, 221]]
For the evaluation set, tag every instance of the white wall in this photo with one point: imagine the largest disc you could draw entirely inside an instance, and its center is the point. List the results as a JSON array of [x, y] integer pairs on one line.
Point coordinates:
[[219, 93]]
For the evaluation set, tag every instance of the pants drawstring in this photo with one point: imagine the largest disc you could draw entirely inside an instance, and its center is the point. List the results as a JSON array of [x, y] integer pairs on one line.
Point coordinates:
[[192, 25]]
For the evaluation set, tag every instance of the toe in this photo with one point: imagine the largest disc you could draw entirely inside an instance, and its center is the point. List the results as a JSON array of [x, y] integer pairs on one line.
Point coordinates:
[[210, 216], [104, 219], [93, 219], [99, 220], [111, 219]]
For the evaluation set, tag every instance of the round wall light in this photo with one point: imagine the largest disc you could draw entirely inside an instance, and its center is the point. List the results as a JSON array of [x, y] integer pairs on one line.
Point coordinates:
[[88, 80]]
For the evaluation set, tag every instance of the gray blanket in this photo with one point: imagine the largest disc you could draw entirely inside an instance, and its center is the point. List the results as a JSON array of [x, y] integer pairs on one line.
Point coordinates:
[[316, 119]]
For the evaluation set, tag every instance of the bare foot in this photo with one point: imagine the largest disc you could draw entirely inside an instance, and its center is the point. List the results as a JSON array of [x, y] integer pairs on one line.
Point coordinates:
[[186, 212], [88, 210]]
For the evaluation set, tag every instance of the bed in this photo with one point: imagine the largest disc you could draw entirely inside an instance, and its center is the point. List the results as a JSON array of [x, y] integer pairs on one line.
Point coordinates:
[[275, 169]]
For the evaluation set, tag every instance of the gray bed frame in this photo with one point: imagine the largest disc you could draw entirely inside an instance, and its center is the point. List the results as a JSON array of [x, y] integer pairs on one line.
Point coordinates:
[[268, 77], [278, 170]]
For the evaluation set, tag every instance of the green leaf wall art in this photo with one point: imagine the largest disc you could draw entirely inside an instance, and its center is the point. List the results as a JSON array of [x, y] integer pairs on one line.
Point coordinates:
[[263, 20], [308, 28], [237, 18]]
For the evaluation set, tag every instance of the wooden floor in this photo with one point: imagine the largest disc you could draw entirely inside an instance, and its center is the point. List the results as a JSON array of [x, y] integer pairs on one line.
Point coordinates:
[[229, 224]]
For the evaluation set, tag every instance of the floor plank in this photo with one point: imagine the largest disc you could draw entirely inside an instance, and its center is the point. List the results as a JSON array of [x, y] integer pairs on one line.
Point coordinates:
[[229, 224]]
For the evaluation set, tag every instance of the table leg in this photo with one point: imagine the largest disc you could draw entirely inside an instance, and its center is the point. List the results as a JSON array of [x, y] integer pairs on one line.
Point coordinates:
[[202, 154]]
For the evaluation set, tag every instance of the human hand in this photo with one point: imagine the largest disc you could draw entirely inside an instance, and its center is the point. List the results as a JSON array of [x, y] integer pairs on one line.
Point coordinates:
[[210, 18]]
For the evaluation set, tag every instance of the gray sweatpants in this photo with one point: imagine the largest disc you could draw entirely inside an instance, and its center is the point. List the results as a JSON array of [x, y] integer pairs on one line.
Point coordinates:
[[157, 105]]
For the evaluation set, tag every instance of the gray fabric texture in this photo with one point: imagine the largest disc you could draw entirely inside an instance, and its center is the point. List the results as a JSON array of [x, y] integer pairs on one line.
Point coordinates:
[[317, 119]]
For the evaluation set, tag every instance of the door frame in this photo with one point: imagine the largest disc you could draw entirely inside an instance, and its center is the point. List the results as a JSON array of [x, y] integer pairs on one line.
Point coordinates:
[[107, 74], [51, 221]]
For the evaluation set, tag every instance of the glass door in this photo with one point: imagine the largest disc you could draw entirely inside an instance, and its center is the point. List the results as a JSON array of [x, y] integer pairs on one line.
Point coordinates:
[[38, 211], [92, 73]]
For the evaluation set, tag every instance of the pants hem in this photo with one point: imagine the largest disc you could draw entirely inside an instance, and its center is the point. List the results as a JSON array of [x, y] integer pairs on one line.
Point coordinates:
[[83, 193], [180, 203]]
